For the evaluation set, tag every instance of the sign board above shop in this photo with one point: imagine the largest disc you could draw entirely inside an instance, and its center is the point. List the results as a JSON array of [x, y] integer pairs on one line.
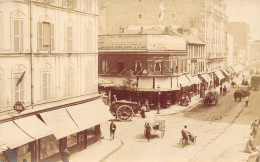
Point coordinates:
[[141, 42]]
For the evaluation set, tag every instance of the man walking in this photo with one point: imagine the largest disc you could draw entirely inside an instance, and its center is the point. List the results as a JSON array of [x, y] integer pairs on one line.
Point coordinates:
[[247, 100], [220, 90], [65, 155], [112, 131]]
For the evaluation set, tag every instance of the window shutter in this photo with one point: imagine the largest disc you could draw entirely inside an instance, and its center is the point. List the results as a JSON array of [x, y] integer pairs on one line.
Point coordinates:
[[16, 35], [21, 36], [39, 30], [52, 38], [46, 34]]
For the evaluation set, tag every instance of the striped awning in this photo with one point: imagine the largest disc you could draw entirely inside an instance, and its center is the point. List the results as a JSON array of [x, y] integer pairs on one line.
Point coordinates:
[[196, 79], [183, 81], [33, 126], [191, 79], [226, 72], [90, 114], [12, 136], [206, 77], [60, 123], [219, 75]]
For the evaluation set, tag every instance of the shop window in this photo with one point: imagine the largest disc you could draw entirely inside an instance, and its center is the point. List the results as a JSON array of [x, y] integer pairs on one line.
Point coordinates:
[[72, 140], [91, 132], [104, 66], [48, 146], [80, 137], [22, 150]]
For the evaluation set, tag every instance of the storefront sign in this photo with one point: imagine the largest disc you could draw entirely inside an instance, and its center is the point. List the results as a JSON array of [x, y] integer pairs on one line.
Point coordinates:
[[19, 106]]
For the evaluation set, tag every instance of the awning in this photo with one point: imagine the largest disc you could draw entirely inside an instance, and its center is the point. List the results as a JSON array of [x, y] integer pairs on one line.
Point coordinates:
[[183, 81], [163, 82], [175, 83], [33, 126], [90, 114], [219, 75], [231, 70], [3, 147], [116, 81], [103, 82], [60, 123], [191, 79], [145, 83], [196, 79], [206, 77], [12, 136], [226, 72]]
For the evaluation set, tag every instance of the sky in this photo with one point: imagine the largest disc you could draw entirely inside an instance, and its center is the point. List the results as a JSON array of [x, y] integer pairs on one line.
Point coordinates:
[[245, 11]]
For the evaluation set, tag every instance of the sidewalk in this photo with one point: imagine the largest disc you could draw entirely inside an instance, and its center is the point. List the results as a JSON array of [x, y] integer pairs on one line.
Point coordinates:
[[97, 152]]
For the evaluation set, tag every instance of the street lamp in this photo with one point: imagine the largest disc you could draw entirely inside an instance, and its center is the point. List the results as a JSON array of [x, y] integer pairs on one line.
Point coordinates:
[[159, 93]]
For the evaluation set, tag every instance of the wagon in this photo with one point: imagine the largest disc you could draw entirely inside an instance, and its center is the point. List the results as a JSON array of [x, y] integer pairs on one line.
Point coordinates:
[[124, 110], [211, 97], [245, 90], [156, 125]]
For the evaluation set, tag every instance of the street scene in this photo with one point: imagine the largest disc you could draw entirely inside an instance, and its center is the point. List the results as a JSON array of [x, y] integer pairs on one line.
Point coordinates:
[[129, 80]]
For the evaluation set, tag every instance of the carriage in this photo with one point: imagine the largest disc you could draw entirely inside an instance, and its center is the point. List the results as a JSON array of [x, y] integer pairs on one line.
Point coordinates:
[[211, 97], [244, 89], [124, 110], [156, 125]]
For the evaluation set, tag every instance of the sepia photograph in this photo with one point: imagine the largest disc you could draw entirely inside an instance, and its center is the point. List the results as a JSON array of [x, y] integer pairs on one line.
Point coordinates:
[[129, 80]]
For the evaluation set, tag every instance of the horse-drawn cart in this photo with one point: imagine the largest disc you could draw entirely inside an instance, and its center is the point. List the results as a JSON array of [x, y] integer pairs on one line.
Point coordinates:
[[124, 110], [211, 97], [155, 125]]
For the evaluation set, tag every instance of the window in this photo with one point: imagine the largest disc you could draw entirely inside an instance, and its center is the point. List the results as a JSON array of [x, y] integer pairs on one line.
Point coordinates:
[[121, 66], [45, 36], [91, 132], [69, 80], [70, 4], [69, 40], [158, 65], [22, 150], [89, 38], [176, 66], [72, 140], [88, 6], [18, 89], [140, 16], [104, 66], [46, 82], [173, 15], [138, 66], [17, 35]]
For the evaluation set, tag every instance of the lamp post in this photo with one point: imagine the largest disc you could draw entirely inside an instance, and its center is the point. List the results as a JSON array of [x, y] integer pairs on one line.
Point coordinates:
[[159, 93]]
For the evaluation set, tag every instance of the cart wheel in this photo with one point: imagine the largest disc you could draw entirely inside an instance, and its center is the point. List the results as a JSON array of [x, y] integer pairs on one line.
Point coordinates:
[[124, 112]]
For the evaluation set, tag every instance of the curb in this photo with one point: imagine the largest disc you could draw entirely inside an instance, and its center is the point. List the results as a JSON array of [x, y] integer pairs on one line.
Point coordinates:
[[113, 151]]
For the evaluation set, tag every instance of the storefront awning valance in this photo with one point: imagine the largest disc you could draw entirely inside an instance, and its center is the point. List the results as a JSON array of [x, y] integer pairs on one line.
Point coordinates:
[[183, 81], [115, 80], [230, 70], [219, 75], [191, 79], [226, 72], [196, 79], [206, 77], [145, 83], [60, 123], [105, 83], [163, 82], [90, 114], [33, 126], [12, 136]]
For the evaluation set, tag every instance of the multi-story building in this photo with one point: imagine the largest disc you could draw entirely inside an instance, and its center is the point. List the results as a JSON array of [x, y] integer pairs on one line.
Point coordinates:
[[241, 36], [207, 16], [255, 53], [48, 72], [158, 58]]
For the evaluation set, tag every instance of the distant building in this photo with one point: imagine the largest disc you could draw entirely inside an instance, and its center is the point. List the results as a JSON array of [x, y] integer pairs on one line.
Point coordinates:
[[255, 52], [241, 36], [48, 67], [207, 16]]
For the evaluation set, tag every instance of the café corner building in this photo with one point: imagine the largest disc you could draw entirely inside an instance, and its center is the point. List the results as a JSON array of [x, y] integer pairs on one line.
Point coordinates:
[[41, 136]]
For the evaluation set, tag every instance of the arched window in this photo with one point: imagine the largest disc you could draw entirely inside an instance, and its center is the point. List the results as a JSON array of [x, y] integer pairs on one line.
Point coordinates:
[[1, 88], [17, 30], [18, 83], [90, 77], [70, 80], [46, 82], [68, 35]]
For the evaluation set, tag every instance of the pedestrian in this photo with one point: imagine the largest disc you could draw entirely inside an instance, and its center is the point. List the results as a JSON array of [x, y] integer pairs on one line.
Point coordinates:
[[65, 155], [148, 130], [112, 130], [220, 89], [224, 90], [249, 148], [147, 105], [143, 109], [247, 100]]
